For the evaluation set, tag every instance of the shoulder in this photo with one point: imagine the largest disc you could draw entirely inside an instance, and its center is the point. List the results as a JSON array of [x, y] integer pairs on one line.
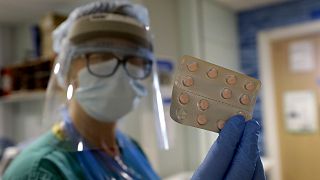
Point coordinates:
[[32, 162]]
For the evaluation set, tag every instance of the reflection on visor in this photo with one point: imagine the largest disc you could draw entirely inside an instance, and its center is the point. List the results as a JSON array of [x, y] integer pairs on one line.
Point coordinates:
[[161, 127]]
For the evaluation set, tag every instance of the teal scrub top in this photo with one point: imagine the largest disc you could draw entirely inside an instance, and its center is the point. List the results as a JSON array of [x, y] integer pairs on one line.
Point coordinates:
[[45, 159]]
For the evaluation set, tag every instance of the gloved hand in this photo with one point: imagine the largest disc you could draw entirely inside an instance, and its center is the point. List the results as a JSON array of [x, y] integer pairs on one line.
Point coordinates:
[[235, 154]]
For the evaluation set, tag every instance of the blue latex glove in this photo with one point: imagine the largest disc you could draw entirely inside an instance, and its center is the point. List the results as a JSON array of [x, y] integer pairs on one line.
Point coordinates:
[[235, 154]]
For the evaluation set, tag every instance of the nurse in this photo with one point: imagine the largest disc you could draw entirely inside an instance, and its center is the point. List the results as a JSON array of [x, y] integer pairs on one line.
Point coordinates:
[[105, 56]]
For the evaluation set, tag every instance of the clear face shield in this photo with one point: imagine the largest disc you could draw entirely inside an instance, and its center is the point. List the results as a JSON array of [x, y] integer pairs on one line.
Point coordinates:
[[103, 70]]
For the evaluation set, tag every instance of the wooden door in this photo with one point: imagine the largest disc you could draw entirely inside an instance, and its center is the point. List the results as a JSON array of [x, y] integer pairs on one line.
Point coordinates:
[[299, 152]]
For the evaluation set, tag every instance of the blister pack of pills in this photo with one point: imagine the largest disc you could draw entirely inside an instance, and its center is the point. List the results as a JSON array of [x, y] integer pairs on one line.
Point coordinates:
[[205, 95]]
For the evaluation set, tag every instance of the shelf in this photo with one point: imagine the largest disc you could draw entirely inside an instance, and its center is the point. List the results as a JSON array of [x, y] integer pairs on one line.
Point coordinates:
[[23, 96]]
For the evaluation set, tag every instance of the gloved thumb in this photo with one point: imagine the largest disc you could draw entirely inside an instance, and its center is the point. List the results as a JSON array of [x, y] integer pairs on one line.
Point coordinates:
[[245, 160], [220, 155]]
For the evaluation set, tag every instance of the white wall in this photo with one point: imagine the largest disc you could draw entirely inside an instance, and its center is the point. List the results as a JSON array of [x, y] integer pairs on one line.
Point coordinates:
[[22, 41], [219, 35], [208, 31], [6, 44]]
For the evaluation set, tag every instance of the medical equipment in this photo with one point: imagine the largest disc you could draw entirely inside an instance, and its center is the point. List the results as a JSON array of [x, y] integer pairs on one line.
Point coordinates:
[[206, 95]]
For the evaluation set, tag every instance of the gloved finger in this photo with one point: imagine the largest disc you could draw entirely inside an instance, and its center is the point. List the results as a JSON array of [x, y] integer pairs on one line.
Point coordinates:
[[244, 162], [259, 171], [220, 155]]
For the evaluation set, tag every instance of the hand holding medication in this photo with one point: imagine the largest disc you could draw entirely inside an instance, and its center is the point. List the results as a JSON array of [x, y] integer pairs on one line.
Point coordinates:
[[235, 153], [208, 96], [205, 95]]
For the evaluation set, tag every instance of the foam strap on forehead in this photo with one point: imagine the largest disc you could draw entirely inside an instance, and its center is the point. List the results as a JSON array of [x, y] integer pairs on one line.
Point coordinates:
[[106, 25], [123, 7]]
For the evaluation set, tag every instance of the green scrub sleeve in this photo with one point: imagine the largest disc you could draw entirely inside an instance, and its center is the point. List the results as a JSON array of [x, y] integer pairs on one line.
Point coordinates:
[[46, 170]]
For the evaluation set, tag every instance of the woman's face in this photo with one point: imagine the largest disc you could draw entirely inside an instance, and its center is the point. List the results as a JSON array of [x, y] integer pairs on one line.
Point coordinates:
[[100, 79]]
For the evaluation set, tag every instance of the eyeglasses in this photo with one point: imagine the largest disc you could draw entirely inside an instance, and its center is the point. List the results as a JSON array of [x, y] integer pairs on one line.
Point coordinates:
[[135, 67]]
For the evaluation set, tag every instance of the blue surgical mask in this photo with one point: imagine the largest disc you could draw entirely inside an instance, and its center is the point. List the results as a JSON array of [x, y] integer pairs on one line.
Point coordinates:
[[108, 99]]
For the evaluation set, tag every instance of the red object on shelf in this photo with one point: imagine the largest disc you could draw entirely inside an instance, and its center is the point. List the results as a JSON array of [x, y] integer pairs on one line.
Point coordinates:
[[28, 76], [6, 81]]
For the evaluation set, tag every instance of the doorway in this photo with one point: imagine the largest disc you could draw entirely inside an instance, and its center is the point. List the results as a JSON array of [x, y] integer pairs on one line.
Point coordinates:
[[299, 147], [293, 155]]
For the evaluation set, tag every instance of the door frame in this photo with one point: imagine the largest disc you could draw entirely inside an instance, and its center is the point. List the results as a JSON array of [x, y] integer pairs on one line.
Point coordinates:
[[269, 111]]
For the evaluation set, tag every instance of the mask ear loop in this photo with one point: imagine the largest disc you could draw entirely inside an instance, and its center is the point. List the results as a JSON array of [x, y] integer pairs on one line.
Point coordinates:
[[161, 127]]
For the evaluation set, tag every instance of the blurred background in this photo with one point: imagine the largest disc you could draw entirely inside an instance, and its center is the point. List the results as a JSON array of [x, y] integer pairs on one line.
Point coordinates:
[[276, 41]]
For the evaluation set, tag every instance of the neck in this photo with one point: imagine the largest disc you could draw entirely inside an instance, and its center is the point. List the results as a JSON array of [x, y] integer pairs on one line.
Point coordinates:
[[99, 134]]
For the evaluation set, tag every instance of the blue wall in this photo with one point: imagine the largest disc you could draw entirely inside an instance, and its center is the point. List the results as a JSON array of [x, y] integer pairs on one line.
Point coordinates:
[[251, 22]]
